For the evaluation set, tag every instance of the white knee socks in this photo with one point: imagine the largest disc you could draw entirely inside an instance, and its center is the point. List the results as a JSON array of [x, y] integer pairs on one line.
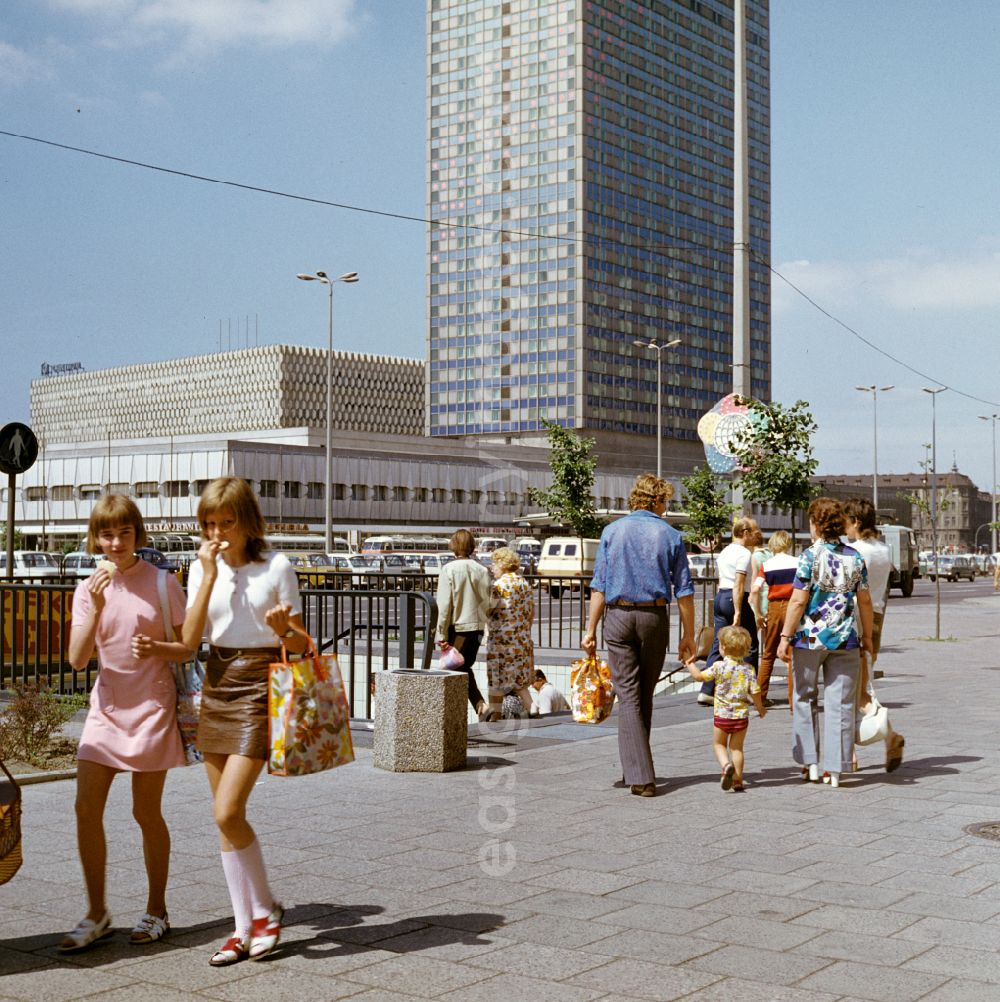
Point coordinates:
[[248, 886]]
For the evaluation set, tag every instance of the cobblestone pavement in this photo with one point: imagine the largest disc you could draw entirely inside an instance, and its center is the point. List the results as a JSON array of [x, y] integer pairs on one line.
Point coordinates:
[[791, 891]]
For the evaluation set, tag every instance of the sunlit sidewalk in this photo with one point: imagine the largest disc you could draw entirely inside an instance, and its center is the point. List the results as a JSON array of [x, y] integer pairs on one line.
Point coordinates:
[[531, 876]]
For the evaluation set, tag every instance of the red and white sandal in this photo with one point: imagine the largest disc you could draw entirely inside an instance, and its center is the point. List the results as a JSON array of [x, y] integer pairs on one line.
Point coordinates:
[[231, 952], [265, 932]]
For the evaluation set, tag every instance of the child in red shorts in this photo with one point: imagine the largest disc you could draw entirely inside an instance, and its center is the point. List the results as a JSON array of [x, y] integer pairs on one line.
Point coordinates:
[[735, 688]]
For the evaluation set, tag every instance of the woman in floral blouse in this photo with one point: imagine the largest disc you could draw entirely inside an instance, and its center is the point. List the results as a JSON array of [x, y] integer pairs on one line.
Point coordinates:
[[510, 661]]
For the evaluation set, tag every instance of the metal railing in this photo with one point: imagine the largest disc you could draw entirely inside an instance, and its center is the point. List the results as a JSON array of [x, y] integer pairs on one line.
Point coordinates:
[[369, 630], [384, 621]]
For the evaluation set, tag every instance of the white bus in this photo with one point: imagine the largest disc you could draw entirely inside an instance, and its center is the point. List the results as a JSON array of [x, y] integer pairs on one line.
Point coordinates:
[[381, 545]]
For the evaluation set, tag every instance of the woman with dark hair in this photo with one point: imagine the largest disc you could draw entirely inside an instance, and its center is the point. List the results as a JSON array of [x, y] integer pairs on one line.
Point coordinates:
[[820, 623], [464, 597], [246, 599]]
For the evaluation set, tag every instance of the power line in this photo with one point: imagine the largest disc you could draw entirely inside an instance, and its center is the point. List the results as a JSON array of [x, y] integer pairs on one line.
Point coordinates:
[[871, 344], [648, 248]]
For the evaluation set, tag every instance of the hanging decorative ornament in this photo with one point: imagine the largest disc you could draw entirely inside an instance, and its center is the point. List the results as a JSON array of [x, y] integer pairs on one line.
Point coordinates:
[[720, 430]]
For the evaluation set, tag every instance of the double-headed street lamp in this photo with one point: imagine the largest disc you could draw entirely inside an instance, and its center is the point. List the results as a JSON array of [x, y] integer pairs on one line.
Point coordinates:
[[321, 276], [934, 515], [659, 348], [874, 391], [993, 483]]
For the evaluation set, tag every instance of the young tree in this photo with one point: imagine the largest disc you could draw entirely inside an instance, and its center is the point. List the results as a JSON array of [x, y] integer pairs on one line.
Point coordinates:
[[710, 516], [570, 499], [776, 456]]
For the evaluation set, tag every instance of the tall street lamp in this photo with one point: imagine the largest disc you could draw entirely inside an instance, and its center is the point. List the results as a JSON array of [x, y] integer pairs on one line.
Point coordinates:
[[874, 391], [934, 516], [993, 483], [659, 348], [321, 276]]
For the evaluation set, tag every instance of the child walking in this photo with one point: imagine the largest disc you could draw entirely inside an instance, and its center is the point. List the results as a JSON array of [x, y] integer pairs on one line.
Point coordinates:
[[735, 688]]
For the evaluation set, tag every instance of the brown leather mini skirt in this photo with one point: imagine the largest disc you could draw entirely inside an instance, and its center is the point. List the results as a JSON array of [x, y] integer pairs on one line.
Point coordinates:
[[233, 717]]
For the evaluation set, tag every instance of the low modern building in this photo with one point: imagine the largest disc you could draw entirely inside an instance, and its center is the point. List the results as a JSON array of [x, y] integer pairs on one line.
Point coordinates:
[[381, 482]]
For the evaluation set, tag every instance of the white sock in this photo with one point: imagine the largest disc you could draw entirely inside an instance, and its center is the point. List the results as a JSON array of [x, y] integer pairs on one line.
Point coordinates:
[[239, 892], [252, 864]]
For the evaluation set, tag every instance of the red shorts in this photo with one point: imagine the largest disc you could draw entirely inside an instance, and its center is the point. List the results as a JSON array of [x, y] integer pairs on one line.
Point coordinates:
[[730, 726]]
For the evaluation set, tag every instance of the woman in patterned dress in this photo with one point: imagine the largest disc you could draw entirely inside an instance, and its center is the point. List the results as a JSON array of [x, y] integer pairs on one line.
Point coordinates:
[[510, 661]]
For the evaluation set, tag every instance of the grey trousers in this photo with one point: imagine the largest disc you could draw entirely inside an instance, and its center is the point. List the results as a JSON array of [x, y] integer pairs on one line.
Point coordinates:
[[840, 679], [637, 644]]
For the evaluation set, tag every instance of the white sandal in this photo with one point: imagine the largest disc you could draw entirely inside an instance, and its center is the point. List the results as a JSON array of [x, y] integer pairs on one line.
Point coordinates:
[[149, 929], [86, 933]]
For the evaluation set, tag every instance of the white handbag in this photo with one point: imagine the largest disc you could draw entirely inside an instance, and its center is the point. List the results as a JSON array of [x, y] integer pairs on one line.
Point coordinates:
[[872, 725]]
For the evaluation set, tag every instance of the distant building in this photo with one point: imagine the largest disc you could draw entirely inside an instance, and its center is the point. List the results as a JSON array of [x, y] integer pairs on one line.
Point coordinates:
[[251, 389], [580, 159], [965, 510]]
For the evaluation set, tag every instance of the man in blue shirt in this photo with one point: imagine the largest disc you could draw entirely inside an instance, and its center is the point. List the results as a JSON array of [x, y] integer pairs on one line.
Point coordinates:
[[640, 563]]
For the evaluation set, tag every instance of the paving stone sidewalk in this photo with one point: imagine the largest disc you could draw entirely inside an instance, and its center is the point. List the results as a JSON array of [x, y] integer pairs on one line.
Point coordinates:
[[530, 878]]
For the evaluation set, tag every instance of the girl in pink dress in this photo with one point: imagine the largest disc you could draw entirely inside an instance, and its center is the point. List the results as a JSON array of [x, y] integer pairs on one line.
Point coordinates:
[[132, 724]]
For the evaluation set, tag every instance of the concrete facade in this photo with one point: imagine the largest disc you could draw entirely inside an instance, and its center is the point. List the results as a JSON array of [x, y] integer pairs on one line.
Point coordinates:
[[251, 389]]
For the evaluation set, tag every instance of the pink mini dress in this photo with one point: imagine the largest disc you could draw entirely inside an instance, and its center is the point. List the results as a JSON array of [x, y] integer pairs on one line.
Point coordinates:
[[132, 723]]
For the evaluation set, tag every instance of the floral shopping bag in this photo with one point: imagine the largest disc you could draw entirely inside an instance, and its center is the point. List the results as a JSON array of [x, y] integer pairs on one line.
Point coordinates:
[[189, 678], [592, 694], [308, 716]]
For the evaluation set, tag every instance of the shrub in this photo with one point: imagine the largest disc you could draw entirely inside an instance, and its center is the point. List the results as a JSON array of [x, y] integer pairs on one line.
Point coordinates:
[[31, 720]]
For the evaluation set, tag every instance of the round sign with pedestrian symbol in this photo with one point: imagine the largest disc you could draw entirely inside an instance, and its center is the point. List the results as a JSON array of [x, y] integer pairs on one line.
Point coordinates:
[[18, 448]]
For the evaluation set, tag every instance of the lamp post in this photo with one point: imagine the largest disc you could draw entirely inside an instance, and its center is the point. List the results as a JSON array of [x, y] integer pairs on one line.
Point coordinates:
[[321, 276], [874, 391], [993, 483], [659, 348], [934, 516]]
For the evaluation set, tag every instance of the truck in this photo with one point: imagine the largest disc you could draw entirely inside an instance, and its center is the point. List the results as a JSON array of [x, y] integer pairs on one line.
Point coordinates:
[[902, 543]]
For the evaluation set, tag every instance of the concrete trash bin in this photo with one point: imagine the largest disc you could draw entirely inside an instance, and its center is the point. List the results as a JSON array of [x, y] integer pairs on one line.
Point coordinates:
[[420, 720]]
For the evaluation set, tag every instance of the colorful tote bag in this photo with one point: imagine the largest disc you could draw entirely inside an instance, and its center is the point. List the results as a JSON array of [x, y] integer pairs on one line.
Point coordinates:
[[10, 826], [592, 694], [309, 720], [189, 678]]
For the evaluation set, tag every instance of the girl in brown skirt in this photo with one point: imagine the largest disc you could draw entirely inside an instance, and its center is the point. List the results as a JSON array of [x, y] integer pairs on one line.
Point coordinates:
[[245, 599]]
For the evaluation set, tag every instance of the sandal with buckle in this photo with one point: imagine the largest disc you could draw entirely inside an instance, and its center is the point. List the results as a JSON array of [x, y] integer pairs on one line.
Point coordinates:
[[149, 929], [231, 952], [86, 933], [265, 932]]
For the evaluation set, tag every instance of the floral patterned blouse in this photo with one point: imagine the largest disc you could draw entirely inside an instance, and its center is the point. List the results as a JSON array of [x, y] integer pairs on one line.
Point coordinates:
[[510, 656], [735, 682]]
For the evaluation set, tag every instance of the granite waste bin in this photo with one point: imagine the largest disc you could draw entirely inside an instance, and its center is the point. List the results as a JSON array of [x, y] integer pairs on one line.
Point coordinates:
[[420, 720]]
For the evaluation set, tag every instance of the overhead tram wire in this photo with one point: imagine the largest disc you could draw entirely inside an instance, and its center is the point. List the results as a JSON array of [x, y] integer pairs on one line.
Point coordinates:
[[871, 344], [442, 224]]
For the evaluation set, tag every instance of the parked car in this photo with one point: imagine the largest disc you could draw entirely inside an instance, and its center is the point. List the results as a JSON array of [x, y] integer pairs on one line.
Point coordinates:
[[428, 563], [79, 564], [352, 570], [701, 565], [31, 565], [157, 558]]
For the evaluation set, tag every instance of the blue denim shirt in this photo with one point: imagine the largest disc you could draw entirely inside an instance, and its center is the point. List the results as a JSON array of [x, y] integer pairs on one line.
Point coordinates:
[[641, 558]]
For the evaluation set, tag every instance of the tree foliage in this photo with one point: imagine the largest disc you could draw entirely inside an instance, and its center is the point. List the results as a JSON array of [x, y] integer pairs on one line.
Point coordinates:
[[776, 455], [570, 499], [709, 514]]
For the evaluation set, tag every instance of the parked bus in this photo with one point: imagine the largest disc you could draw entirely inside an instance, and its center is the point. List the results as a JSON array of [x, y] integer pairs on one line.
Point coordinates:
[[375, 546]]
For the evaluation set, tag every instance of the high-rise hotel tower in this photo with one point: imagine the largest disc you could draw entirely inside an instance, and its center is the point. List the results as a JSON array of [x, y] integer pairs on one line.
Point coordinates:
[[580, 180]]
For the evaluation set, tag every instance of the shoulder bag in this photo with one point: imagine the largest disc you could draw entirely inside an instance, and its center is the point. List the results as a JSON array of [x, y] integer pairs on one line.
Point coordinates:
[[10, 826], [189, 677]]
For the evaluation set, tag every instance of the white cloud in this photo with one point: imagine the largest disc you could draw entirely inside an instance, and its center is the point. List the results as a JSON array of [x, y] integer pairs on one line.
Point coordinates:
[[922, 279], [199, 25], [18, 67]]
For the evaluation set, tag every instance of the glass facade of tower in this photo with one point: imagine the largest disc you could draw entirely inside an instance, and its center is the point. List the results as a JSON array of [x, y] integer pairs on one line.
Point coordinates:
[[580, 179]]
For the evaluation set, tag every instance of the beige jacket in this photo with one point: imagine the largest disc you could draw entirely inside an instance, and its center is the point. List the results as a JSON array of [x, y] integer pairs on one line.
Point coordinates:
[[464, 596]]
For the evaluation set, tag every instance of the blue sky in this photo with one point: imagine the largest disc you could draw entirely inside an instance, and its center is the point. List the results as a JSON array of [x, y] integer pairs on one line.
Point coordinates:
[[884, 196]]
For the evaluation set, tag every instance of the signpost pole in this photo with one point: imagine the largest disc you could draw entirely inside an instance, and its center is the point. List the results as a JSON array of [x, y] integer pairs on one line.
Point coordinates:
[[11, 480]]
